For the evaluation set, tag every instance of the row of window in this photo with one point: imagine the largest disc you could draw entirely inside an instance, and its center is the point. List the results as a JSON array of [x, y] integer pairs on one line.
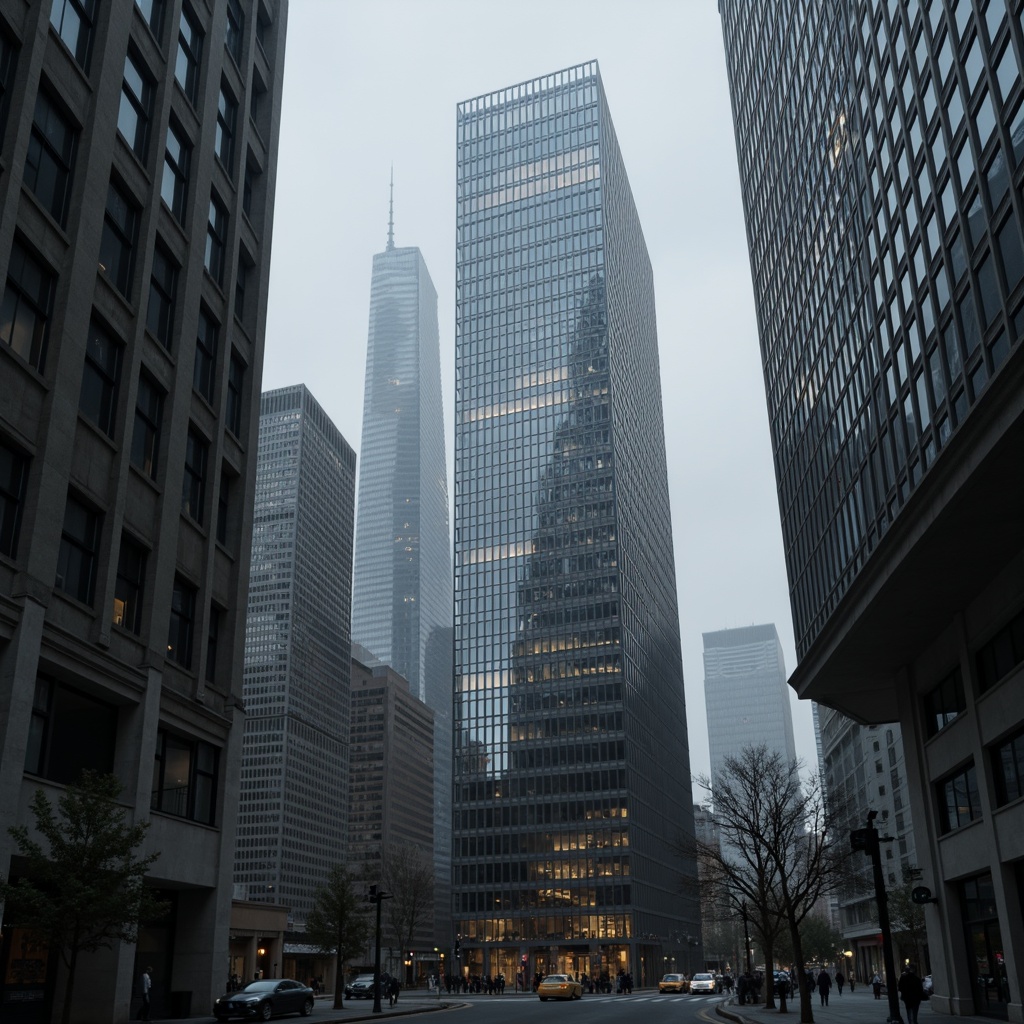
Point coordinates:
[[958, 794]]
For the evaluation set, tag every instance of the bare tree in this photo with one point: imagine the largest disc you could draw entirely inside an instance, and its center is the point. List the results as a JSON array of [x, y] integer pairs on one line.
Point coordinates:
[[407, 872]]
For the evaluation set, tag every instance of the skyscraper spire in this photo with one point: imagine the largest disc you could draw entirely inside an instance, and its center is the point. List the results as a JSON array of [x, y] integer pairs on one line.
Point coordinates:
[[391, 212]]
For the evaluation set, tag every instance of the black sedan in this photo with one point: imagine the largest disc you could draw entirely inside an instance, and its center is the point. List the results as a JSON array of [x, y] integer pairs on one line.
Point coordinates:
[[261, 1000]]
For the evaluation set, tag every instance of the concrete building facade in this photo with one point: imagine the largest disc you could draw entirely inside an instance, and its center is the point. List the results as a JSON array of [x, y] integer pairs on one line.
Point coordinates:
[[138, 143]]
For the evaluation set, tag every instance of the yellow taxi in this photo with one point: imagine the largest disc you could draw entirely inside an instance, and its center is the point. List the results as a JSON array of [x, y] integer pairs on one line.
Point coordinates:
[[559, 986], [673, 983]]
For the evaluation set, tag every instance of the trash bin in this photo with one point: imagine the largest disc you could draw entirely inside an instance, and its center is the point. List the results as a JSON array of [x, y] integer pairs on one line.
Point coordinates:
[[180, 1005]]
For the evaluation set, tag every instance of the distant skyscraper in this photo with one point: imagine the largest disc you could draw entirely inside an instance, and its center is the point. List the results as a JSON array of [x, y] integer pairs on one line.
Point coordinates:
[[293, 808], [402, 586], [571, 760], [746, 694], [881, 155]]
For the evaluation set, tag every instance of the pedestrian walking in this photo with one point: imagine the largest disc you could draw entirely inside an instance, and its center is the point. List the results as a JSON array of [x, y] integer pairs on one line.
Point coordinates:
[[147, 987], [840, 980], [824, 985], [876, 984], [911, 992]]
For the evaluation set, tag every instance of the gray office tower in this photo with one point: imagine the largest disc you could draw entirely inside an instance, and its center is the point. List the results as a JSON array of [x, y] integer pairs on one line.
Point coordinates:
[[402, 586], [746, 695], [571, 758], [135, 237], [881, 153], [293, 805]]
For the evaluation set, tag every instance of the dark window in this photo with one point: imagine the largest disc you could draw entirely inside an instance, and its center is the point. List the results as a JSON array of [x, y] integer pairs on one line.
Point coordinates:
[[183, 615], [101, 376], [212, 637], [174, 185], [252, 172], [223, 506], [185, 778], [136, 105], [70, 732], [193, 484], [149, 408], [959, 800], [204, 368], [117, 248], [72, 21], [216, 239], [152, 12], [163, 290], [224, 139], [1003, 653], [236, 381], [8, 60], [258, 106], [235, 29], [943, 703], [190, 52], [243, 273], [50, 158], [262, 28], [131, 575], [28, 300], [1008, 768], [13, 477], [79, 550]]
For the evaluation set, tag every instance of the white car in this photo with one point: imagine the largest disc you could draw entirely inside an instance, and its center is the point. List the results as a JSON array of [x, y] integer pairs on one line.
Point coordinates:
[[703, 983]]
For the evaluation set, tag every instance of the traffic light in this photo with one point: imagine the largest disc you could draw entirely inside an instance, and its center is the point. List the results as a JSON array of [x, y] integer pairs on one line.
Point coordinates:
[[373, 893]]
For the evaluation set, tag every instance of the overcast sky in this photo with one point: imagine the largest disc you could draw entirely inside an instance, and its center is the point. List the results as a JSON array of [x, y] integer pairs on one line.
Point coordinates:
[[371, 83]]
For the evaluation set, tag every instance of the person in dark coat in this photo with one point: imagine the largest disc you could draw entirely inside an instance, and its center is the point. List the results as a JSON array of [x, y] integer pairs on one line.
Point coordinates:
[[839, 981], [876, 984], [911, 992], [824, 985]]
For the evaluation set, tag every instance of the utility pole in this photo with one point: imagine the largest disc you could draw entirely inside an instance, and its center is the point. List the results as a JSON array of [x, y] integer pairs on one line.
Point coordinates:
[[377, 896], [868, 840]]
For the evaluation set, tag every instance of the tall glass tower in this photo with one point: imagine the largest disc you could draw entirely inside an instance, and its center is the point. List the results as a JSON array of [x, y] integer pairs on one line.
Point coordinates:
[[572, 780], [881, 153], [402, 580], [293, 806]]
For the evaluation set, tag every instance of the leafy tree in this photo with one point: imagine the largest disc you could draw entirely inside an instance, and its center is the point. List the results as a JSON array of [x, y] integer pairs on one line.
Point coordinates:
[[821, 942], [906, 919], [83, 888], [408, 874], [338, 923]]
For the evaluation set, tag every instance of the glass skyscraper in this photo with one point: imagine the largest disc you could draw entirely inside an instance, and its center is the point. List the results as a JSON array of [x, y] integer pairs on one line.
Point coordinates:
[[293, 806], [402, 580], [572, 779], [881, 152]]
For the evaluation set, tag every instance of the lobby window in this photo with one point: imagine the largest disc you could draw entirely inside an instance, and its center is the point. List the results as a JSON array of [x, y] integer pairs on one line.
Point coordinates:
[[50, 158], [190, 52], [152, 12], [205, 365], [944, 702], [216, 240], [72, 20], [212, 641], [183, 615], [184, 777], [120, 233], [193, 484], [13, 480], [163, 291], [149, 407], [128, 587], [70, 732], [136, 105], [1008, 768], [101, 377], [224, 139], [236, 382], [235, 28], [1002, 654], [959, 799], [174, 184], [27, 305], [79, 551]]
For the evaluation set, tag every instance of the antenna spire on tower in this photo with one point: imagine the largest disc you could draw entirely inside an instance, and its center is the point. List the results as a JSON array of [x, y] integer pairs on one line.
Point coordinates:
[[391, 212]]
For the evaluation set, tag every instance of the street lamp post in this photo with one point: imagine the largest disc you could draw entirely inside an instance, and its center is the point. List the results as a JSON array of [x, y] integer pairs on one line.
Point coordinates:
[[377, 896]]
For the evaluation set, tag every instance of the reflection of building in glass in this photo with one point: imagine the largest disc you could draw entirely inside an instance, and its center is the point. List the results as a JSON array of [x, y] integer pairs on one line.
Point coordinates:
[[571, 760], [746, 695], [293, 806], [402, 578], [881, 152]]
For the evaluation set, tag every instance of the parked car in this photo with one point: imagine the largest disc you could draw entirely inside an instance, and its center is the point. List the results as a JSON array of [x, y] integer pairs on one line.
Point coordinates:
[[703, 983], [559, 986], [673, 983], [361, 986], [261, 1000]]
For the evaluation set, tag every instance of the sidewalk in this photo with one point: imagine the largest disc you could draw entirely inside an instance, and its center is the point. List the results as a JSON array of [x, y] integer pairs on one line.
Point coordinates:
[[858, 1007], [417, 1001]]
